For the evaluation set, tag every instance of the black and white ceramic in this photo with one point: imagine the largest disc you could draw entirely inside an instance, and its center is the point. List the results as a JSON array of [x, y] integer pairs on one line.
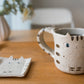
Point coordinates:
[[68, 53]]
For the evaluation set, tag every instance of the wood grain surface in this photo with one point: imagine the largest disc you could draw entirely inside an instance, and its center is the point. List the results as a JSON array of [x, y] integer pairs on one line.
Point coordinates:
[[42, 69], [28, 36]]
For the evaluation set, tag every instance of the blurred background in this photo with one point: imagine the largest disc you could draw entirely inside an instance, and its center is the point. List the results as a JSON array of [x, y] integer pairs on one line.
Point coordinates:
[[75, 6]]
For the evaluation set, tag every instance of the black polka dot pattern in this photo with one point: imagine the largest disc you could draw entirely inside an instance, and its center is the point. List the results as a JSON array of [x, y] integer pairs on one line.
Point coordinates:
[[57, 61]]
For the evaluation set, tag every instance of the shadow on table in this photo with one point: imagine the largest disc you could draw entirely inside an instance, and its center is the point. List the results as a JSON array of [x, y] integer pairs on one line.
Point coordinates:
[[3, 46]]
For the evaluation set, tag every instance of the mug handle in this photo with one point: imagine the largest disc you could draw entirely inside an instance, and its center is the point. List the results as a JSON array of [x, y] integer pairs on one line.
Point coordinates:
[[42, 43]]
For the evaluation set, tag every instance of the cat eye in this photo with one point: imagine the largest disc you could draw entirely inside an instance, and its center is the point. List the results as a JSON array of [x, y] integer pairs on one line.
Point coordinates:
[[67, 45]]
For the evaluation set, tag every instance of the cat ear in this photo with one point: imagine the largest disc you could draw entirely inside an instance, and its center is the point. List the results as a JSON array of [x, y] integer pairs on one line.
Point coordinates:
[[11, 57], [21, 58], [68, 35]]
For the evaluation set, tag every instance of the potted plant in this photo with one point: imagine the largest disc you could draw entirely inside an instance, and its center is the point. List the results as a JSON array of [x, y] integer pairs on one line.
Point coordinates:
[[12, 7]]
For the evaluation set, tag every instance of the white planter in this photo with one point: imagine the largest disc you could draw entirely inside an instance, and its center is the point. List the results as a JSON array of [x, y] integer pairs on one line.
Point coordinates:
[[4, 29]]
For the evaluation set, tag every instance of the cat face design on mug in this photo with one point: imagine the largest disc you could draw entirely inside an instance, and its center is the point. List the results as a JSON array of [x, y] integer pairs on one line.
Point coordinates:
[[68, 53], [69, 44], [74, 41]]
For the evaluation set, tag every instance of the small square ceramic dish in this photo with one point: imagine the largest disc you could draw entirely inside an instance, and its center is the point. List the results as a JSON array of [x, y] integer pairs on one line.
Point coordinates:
[[12, 67]]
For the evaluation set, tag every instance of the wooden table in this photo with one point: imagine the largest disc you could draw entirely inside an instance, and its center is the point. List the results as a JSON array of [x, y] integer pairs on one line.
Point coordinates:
[[27, 36], [42, 70]]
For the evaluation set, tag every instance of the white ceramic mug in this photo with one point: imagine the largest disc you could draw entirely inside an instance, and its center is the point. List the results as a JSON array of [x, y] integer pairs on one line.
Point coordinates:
[[68, 53]]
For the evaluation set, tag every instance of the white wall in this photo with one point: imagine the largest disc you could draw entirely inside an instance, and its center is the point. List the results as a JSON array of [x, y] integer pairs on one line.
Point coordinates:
[[76, 7], [15, 21]]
